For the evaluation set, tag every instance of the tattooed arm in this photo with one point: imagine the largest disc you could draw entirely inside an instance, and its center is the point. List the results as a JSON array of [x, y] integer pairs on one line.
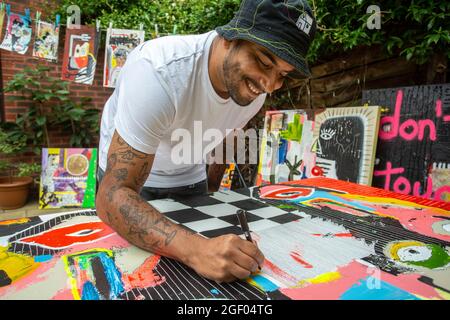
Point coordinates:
[[119, 205]]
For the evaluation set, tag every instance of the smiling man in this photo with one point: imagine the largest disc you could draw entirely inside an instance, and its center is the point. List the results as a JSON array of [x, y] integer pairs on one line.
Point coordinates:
[[218, 79]]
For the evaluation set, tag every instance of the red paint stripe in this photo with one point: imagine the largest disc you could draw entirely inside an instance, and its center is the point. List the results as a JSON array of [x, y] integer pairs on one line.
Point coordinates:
[[297, 257]]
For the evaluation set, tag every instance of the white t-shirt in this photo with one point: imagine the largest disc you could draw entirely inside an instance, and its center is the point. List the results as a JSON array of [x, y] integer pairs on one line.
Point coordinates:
[[163, 86]]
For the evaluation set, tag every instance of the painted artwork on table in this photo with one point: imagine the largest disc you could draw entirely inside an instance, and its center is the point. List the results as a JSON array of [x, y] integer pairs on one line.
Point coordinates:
[[345, 141], [17, 32], [68, 178], [322, 239], [413, 151], [119, 43], [80, 54], [46, 41], [285, 151]]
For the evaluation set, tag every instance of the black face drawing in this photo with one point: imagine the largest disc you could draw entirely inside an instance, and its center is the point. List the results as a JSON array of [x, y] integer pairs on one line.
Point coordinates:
[[341, 141]]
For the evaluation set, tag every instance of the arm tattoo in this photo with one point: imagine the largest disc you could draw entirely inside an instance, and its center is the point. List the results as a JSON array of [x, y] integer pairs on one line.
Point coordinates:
[[121, 174], [143, 175]]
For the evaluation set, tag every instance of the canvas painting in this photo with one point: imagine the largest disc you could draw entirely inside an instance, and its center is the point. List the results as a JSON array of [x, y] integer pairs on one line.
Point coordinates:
[[2, 17], [413, 141], [80, 55], [345, 141], [46, 41], [17, 33], [322, 239], [286, 147], [119, 43], [68, 178]]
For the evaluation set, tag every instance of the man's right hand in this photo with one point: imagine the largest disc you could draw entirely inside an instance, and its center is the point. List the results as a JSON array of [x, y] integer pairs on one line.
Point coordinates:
[[225, 258]]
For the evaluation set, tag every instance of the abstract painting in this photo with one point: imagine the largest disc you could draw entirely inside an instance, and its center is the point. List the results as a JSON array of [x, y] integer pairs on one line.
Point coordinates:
[[46, 41], [322, 239], [227, 178], [68, 178], [285, 151], [80, 54], [345, 141], [119, 43], [355, 242], [413, 151], [18, 32]]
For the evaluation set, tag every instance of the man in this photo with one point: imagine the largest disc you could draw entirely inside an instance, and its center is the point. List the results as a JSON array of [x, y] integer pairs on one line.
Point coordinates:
[[219, 79]]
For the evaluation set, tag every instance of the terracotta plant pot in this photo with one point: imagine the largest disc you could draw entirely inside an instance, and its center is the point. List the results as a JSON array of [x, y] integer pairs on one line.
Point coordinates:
[[14, 192]]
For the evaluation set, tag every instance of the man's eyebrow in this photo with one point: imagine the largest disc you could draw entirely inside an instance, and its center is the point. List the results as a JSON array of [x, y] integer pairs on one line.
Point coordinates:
[[271, 58]]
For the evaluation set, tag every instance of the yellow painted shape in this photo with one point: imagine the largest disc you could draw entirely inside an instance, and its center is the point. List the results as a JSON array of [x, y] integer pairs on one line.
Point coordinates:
[[392, 201], [254, 283], [322, 278], [15, 221], [397, 246], [72, 279], [16, 265]]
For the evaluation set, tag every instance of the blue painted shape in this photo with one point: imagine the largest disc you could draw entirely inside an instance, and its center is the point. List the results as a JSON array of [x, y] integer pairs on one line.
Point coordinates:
[[89, 292], [215, 291], [282, 151], [366, 290], [264, 283], [112, 274], [43, 258]]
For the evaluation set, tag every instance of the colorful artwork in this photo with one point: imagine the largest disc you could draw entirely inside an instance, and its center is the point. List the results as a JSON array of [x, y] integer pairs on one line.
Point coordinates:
[[18, 32], [2, 17], [119, 43], [68, 178], [355, 242], [286, 145], [380, 245], [413, 142], [344, 142], [80, 55], [46, 41], [227, 179]]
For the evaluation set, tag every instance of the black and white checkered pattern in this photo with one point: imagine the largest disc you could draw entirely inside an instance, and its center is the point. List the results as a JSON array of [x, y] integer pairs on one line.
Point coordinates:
[[215, 215]]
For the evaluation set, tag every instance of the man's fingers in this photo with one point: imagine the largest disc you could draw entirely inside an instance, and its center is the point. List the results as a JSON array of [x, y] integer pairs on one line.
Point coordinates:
[[252, 251], [239, 272]]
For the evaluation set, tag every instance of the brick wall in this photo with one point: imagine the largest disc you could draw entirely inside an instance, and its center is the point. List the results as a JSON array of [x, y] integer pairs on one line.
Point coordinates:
[[12, 63]]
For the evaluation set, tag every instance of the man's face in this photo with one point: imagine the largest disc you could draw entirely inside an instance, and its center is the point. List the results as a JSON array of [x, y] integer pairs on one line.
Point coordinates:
[[250, 70]]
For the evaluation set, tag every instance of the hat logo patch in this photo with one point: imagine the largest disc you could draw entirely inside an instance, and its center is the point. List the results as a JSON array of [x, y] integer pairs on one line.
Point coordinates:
[[304, 23]]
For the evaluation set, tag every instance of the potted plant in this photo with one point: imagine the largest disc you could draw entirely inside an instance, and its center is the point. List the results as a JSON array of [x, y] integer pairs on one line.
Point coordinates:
[[15, 186]]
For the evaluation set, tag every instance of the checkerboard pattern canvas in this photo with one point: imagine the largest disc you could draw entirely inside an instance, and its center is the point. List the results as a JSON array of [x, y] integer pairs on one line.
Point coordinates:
[[215, 215]]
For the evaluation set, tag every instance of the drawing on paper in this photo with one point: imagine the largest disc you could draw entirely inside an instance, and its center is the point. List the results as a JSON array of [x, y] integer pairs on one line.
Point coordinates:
[[344, 142], [17, 33], [68, 178], [80, 55], [119, 43], [46, 41]]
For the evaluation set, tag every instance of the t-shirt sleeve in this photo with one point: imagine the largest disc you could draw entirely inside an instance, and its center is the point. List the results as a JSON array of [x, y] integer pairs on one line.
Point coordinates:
[[144, 109]]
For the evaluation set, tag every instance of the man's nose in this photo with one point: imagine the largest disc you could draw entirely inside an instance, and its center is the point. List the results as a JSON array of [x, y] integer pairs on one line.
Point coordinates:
[[272, 83]]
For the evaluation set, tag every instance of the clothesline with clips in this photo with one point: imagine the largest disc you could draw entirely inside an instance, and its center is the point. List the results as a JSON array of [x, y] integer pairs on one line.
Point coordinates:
[[37, 19]]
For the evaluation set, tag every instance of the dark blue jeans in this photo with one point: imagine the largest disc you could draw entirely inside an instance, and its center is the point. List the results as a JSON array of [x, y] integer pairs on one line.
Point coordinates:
[[150, 193]]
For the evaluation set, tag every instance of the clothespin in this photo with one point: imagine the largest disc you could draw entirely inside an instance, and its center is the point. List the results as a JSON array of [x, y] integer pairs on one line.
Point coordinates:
[[110, 26], [174, 29], [8, 9], [38, 17], [98, 25], [156, 31], [2, 6], [141, 26], [385, 109], [58, 21], [27, 14]]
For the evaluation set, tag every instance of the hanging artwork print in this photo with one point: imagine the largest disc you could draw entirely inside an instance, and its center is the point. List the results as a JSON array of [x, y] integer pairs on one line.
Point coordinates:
[[345, 141], [46, 41], [80, 55], [68, 178], [18, 32], [2, 17], [285, 147], [119, 43]]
